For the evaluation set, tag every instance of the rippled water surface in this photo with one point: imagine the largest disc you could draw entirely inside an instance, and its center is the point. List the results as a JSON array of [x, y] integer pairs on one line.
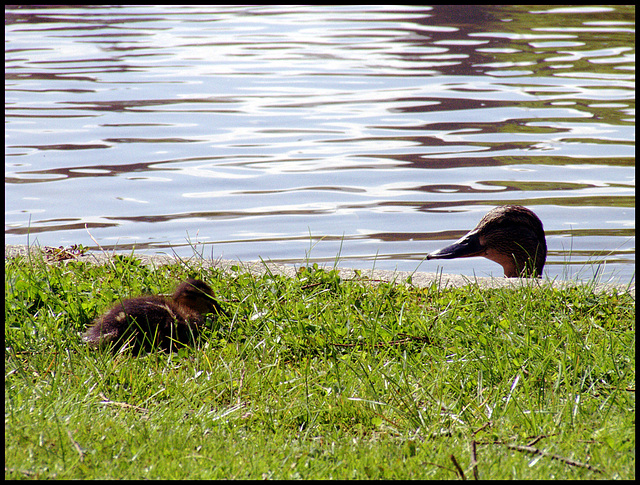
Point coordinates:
[[374, 134]]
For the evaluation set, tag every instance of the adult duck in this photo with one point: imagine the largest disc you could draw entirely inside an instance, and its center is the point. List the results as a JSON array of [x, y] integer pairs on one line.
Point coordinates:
[[155, 321], [510, 235]]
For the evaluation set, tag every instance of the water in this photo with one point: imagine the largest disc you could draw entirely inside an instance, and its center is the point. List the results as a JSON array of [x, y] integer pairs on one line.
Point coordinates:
[[372, 134]]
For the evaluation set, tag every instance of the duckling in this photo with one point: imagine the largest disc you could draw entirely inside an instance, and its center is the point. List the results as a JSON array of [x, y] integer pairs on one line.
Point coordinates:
[[155, 321], [510, 235]]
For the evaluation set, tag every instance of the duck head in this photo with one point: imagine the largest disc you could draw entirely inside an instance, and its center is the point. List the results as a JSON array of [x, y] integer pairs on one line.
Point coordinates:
[[510, 235]]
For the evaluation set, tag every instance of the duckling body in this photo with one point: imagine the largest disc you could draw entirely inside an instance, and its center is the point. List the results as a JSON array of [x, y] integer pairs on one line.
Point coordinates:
[[510, 235], [149, 322]]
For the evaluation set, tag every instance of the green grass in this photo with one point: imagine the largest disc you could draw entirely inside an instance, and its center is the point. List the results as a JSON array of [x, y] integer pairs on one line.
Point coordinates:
[[318, 377]]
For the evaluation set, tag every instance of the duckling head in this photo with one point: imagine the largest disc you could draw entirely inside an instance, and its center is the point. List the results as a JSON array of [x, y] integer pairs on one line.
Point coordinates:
[[510, 235], [196, 295]]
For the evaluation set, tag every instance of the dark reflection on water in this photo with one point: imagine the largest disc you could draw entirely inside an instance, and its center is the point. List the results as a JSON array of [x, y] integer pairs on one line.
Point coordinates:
[[374, 134]]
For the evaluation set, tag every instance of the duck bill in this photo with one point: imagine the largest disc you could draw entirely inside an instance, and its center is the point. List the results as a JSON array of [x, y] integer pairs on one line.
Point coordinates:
[[465, 247]]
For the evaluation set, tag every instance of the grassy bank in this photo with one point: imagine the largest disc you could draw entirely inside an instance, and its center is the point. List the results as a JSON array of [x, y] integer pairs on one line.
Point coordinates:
[[314, 376]]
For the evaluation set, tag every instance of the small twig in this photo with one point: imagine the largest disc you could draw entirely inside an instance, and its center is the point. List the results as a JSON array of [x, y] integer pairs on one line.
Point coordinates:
[[459, 470], [438, 466], [474, 460], [536, 451], [311, 285], [109, 258], [405, 340], [481, 428], [367, 279], [239, 391], [536, 439], [390, 421], [76, 445], [122, 404]]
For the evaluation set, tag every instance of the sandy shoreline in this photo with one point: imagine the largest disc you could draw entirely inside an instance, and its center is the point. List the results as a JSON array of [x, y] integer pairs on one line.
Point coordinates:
[[418, 279]]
